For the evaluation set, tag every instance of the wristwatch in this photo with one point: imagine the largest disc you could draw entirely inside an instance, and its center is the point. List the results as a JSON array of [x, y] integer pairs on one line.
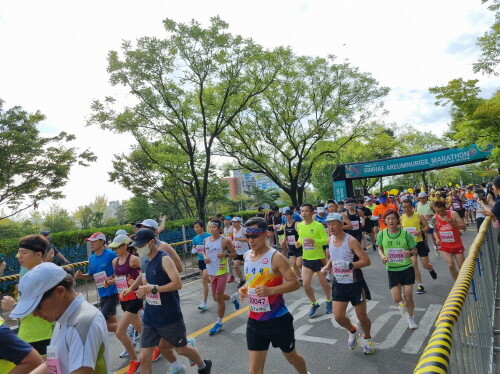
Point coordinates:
[[350, 265], [154, 290]]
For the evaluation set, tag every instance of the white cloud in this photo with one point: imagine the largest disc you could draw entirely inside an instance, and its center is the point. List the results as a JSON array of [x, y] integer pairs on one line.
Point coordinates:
[[54, 56]]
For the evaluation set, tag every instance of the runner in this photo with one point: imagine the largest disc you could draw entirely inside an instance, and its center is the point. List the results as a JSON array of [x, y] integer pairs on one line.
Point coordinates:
[[480, 197], [470, 205], [417, 226], [312, 238], [100, 269], [356, 217], [163, 323], [217, 250], [198, 247], [368, 224], [32, 329], [127, 270], [80, 340], [396, 246], [240, 243], [269, 320], [51, 249], [380, 209], [457, 203], [447, 234], [348, 286], [291, 236], [228, 233], [424, 208]]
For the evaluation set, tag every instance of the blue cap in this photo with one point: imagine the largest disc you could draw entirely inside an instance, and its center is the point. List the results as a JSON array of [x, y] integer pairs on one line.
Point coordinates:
[[228, 218], [382, 199], [142, 237], [45, 233]]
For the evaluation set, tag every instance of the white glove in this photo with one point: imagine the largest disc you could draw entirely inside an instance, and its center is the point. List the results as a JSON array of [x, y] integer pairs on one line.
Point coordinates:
[[342, 264], [194, 250]]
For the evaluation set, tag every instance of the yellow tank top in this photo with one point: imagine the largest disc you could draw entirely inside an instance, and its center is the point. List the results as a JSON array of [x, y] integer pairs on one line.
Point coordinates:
[[412, 224], [34, 329]]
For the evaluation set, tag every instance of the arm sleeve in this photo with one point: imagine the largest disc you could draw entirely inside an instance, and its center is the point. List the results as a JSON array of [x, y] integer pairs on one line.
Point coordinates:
[[12, 348], [321, 235]]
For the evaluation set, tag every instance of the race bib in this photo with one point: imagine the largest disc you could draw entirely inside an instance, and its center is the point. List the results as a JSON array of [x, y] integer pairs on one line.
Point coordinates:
[[355, 225], [395, 255], [121, 283], [277, 227], [258, 304], [153, 298], [342, 274], [200, 248], [53, 366], [290, 239], [456, 206], [411, 230], [447, 236], [100, 279], [237, 245], [309, 246]]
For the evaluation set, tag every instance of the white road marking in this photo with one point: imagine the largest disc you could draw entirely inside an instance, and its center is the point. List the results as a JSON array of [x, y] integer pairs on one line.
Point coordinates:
[[418, 336]]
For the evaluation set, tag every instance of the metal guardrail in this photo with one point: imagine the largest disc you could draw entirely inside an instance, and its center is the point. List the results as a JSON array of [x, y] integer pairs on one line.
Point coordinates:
[[462, 341]]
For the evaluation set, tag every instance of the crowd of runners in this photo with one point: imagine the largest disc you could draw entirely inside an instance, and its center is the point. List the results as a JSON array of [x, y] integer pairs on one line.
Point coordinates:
[[274, 253]]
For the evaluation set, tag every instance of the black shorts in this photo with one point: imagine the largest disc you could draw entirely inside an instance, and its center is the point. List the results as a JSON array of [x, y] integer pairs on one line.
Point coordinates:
[[278, 331], [368, 227], [461, 212], [294, 251], [403, 277], [352, 292], [239, 257], [201, 265], [132, 306], [175, 334], [108, 305], [314, 265], [423, 249]]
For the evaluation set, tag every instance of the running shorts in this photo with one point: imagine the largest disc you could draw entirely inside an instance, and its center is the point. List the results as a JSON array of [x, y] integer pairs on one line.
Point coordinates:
[[218, 283], [403, 277], [239, 257], [201, 265], [314, 265], [423, 249], [351, 292], [175, 334], [108, 305], [295, 252], [278, 331], [132, 306]]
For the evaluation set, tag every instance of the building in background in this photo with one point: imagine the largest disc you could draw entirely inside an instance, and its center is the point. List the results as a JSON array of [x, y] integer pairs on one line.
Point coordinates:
[[243, 183], [113, 207]]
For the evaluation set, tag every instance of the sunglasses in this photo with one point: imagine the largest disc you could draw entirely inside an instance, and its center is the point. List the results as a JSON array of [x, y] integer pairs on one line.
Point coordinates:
[[253, 236]]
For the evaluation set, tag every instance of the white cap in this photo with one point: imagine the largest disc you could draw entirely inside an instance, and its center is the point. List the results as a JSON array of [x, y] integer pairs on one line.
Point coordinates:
[[34, 284], [150, 223], [119, 240], [236, 219], [335, 217], [96, 236], [422, 194], [121, 232]]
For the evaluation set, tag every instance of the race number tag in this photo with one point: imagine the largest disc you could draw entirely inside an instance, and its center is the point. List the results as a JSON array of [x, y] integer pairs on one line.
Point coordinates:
[[200, 248], [290, 239], [309, 245], [53, 366], [121, 283], [237, 245], [258, 304], [411, 230], [153, 298], [456, 206], [355, 225], [395, 255], [100, 279], [342, 274], [277, 227], [447, 236]]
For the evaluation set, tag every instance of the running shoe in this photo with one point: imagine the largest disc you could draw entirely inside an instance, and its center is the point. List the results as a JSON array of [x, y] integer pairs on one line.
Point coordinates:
[[130, 331], [412, 324], [433, 274], [328, 308], [203, 306], [328, 277], [352, 342], [236, 303], [241, 284], [368, 347], [216, 328], [181, 370], [124, 353], [231, 279], [402, 308], [133, 367], [207, 369], [314, 308], [192, 343], [420, 289], [156, 354]]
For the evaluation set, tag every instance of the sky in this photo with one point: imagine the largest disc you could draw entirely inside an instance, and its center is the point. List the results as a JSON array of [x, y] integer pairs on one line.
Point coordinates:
[[54, 57]]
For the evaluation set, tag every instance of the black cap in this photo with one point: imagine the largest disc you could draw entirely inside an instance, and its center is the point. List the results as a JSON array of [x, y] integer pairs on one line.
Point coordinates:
[[45, 233], [142, 237]]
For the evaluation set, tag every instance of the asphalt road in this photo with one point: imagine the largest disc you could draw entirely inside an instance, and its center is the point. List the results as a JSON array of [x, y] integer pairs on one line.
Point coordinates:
[[320, 340]]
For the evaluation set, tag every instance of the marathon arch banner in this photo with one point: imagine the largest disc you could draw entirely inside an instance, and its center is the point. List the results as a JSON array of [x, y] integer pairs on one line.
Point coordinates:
[[439, 159]]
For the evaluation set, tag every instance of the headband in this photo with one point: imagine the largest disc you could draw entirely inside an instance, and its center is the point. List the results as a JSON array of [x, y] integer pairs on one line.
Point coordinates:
[[255, 230], [31, 247]]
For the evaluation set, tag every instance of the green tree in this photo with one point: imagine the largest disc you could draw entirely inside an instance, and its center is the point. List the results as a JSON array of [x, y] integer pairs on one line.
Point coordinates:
[[490, 43], [138, 209], [189, 87], [32, 167], [473, 119], [283, 134], [100, 210], [84, 216], [58, 219]]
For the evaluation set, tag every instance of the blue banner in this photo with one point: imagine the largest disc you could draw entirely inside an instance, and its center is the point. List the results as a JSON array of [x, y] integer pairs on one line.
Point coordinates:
[[419, 162], [339, 190]]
